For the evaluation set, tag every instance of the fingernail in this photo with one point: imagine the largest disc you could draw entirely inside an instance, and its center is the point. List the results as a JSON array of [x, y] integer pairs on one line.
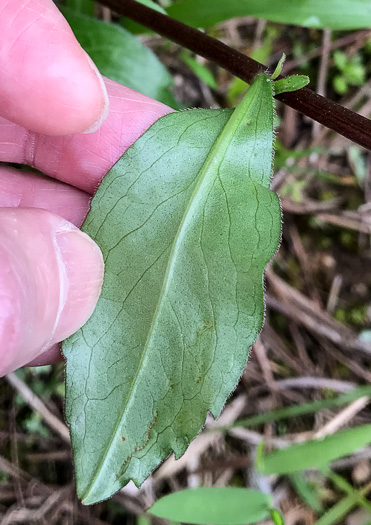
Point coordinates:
[[97, 124], [81, 263]]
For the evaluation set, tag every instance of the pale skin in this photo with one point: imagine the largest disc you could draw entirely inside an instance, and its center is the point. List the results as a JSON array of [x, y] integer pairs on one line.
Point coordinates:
[[57, 114]]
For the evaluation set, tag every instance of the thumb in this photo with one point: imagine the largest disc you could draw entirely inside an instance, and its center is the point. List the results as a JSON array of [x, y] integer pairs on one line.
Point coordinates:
[[48, 83], [50, 279]]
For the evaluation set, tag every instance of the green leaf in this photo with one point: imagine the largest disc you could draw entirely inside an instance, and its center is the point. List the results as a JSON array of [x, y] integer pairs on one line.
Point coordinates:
[[186, 223], [315, 453], [85, 7], [143, 520], [340, 59], [340, 84], [292, 83], [354, 497], [214, 506], [331, 14], [276, 73], [277, 517], [122, 57], [337, 513], [236, 89], [355, 73], [306, 491], [304, 408], [198, 69]]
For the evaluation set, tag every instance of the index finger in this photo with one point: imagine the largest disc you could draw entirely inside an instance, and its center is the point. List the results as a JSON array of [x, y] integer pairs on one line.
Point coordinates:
[[83, 160]]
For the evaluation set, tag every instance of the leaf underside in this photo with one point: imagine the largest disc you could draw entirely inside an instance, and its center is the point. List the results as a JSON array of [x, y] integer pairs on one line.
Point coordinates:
[[214, 506], [186, 223]]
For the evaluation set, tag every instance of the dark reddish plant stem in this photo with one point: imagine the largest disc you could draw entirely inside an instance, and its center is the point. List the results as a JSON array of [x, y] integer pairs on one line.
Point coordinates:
[[329, 113]]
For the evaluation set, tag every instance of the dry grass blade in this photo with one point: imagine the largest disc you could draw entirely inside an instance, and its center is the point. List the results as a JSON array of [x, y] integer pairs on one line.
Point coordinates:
[[36, 404]]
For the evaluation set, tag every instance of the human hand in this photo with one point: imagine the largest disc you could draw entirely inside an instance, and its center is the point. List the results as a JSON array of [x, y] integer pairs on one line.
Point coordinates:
[[50, 92]]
